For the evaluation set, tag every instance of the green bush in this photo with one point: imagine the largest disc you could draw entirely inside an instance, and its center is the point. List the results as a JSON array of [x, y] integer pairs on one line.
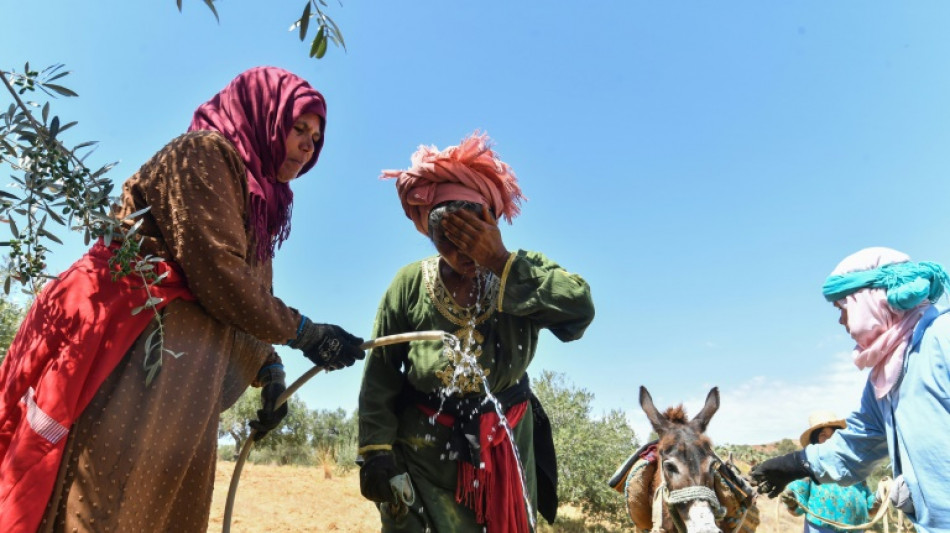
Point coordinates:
[[589, 449]]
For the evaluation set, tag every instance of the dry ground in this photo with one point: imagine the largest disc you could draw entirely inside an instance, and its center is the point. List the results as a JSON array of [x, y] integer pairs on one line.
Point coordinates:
[[301, 499]]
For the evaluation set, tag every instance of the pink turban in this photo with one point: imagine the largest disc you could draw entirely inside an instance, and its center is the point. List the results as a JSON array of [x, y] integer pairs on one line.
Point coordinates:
[[470, 171]]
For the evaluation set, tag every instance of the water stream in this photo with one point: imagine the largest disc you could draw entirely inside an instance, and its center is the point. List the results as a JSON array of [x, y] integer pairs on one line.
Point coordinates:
[[468, 376]]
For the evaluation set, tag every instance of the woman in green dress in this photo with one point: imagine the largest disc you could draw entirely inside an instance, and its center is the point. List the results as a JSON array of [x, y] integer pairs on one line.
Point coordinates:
[[435, 451]]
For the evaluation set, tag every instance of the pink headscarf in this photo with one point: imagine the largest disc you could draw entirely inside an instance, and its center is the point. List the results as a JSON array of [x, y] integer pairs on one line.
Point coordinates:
[[470, 171], [880, 331], [256, 111]]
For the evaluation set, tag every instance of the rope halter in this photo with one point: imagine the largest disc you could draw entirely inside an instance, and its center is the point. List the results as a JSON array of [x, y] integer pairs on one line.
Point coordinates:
[[698, 492]]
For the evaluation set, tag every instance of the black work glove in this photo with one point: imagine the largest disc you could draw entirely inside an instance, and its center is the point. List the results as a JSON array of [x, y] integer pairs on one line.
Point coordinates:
[[328, 346], [269, 416], [375, 474], [771, 476]]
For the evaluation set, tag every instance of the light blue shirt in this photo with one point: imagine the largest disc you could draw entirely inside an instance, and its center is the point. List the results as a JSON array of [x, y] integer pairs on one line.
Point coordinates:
[[911, 425]]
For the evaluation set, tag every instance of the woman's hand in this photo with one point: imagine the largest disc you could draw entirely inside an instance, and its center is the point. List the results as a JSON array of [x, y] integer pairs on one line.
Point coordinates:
[[477, 237]]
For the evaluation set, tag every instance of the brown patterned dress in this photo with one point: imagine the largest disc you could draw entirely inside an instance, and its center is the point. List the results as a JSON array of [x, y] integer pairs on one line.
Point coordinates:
[[143, 458]]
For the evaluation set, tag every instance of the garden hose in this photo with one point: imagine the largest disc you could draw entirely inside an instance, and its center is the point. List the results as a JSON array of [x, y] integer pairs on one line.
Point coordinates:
[[434, 335]]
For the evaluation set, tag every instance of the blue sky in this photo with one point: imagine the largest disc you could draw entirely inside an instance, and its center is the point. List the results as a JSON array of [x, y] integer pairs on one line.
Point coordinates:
[[704, 166]]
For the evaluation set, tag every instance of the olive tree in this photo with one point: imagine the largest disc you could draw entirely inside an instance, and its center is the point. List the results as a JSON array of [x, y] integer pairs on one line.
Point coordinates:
[[11, 315], [588, 448], [288, 443]]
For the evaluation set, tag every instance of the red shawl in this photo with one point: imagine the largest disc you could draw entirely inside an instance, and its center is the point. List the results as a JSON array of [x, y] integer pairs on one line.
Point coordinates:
[[256, 112], [493, 491], [78, 329]]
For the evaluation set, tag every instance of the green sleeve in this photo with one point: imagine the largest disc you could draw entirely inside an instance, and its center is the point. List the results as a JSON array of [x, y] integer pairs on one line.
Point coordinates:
[[382, 377], [534, 287]]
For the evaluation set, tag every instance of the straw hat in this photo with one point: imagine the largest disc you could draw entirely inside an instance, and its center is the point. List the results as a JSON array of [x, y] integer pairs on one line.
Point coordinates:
[[818, 420]]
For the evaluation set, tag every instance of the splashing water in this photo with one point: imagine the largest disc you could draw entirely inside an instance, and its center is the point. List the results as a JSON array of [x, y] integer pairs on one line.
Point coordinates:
[[467, 375]]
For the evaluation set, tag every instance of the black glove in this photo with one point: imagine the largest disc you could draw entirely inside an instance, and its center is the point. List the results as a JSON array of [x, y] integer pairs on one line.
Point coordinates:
[[271, 378], [375, 475], [328, 346], [771, 476]]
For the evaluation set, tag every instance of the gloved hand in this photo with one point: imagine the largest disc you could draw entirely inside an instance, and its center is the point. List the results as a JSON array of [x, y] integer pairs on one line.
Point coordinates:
[[271, 378], [328, 346], [405, 496], [375, 476], [771, 476]]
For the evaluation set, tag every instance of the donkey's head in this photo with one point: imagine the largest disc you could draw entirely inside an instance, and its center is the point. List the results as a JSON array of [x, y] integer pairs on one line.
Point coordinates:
[[686, 464]]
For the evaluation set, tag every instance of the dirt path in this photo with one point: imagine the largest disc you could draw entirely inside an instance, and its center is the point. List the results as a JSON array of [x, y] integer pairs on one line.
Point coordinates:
[[300, 499]]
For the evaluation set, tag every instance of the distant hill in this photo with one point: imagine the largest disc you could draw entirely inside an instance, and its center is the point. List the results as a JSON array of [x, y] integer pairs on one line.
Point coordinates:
[[746, 456]]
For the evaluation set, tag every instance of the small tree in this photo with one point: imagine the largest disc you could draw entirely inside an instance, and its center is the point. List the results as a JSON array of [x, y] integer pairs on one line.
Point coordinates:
[[287, 443], [588, 449], [335, 438]]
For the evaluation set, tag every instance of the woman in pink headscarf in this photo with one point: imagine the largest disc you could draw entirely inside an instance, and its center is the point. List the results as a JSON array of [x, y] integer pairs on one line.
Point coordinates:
[[435, 453], [99, 431], [886, 302]]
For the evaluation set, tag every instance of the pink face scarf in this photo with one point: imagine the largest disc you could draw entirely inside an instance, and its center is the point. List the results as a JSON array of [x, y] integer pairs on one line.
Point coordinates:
[[256, 112], [880, 331], [470, 171]]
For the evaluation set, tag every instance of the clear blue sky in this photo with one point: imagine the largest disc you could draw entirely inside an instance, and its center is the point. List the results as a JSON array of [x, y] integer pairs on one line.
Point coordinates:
[[703, 166]]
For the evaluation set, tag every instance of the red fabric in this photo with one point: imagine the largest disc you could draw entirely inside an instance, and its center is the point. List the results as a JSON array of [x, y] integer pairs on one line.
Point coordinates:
[[493, 491], [256, 112], [76, 332]]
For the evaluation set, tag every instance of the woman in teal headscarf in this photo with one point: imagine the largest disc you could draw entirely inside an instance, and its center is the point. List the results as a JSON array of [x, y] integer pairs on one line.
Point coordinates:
[[886, 304]]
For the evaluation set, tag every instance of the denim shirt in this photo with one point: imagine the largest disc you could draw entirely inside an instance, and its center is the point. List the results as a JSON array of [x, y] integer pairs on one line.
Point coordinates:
[[911, 425]]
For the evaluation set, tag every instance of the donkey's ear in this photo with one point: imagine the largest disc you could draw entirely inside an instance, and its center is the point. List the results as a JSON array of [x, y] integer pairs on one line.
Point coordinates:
[[701, 420], [656, 419]]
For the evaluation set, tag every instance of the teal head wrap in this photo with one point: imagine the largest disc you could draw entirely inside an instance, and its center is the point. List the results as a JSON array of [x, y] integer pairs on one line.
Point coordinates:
[[907, 284]]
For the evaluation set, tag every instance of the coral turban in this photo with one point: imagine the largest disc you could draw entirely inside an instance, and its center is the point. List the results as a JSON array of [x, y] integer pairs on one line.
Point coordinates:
[[470, 171]]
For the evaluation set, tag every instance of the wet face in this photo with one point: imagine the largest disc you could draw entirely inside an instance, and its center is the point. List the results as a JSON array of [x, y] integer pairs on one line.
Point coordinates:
[[299, 146], [461, 264]]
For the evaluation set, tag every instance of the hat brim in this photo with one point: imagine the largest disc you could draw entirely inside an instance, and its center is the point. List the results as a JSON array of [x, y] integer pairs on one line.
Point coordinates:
[[805, 439]]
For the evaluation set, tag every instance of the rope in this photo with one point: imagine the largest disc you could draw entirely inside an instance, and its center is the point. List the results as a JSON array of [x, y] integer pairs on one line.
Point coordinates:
[[886, 483], [662, 495], [697, 492]]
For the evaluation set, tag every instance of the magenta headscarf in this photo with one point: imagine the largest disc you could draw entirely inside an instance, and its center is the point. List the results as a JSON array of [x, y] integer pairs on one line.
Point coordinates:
[[470, 171], [880, 331], [255, 112]]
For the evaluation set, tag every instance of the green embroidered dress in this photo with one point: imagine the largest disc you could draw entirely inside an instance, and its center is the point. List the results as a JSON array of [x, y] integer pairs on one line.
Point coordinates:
[[533, 293]]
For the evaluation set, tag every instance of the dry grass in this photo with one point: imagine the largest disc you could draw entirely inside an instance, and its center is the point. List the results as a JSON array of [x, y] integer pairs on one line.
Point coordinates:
[[292, 499], [301, 499]]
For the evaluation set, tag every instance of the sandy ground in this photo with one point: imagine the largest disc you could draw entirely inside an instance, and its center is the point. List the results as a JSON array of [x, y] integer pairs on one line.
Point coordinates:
[[292, 499], [298, 499]]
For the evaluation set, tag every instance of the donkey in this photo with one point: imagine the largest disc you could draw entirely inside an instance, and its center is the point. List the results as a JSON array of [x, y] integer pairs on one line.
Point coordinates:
[[685, 478]]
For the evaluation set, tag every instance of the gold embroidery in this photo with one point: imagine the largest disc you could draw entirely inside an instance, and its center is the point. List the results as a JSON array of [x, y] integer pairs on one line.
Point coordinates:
[[468, 335], [504, 278]]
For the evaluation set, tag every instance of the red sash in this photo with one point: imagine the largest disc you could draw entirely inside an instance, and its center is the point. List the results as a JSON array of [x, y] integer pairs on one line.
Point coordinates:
[[78, 329], [493, 491]]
